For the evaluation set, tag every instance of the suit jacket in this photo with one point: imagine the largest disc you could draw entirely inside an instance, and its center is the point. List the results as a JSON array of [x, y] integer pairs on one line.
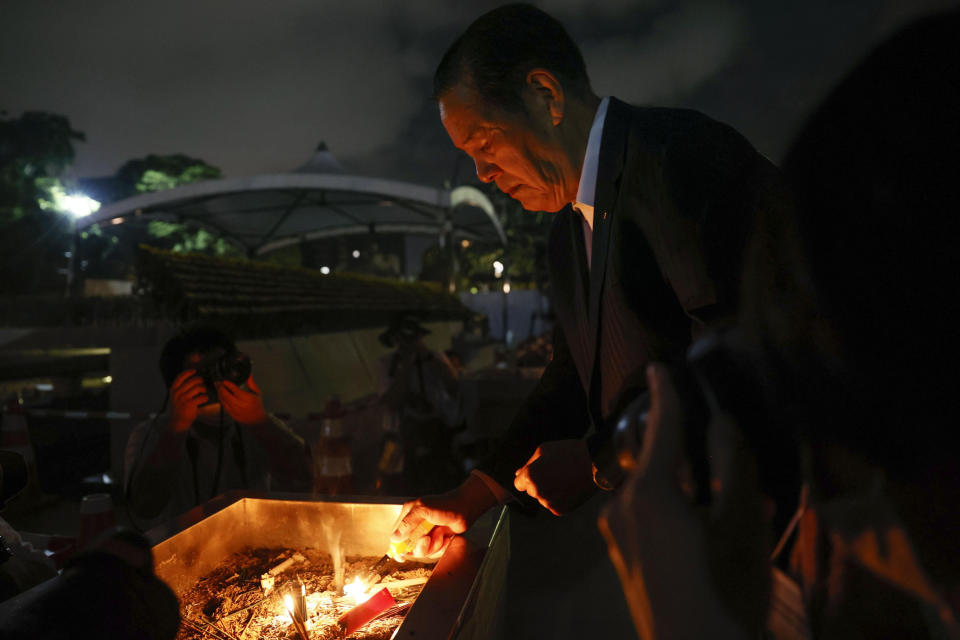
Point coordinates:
[[676, 194]]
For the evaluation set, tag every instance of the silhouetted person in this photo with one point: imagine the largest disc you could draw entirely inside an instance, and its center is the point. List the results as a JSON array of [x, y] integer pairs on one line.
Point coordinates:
[[109, 591], [849, 307]]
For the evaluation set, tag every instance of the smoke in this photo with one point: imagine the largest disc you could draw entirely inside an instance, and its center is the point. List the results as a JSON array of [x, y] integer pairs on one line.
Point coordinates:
[[331, 536]]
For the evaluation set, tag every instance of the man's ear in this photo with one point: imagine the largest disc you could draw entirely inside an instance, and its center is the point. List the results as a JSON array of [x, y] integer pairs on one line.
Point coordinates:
[[543, 95]]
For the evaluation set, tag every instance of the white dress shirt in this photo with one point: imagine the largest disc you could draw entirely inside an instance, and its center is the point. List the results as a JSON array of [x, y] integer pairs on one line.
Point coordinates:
[[587, 191]]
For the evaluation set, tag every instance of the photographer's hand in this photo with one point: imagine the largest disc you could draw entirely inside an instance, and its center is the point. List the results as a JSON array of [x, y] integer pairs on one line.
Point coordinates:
[[688, 574], [187, 394], [246, 407]]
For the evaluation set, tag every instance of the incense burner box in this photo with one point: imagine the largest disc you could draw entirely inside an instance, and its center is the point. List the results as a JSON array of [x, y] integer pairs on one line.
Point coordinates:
[[458, 601]]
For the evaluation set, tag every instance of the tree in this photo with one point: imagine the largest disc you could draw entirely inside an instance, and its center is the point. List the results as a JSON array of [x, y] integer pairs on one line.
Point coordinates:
[[110, 251], [35, 149], [157, 173], [524, 255]]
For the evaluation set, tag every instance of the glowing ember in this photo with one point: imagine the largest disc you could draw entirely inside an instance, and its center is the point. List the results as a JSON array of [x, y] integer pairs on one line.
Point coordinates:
[[286, 618], [317, 600], [356, 590], [243, 612]]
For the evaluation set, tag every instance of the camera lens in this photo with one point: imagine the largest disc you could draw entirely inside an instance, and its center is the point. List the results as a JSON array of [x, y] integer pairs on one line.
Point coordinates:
[[628, 432], [235, 367]]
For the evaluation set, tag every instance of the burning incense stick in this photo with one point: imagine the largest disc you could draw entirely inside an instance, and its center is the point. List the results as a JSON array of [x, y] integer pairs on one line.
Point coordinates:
[[298, 622], [403, 584]]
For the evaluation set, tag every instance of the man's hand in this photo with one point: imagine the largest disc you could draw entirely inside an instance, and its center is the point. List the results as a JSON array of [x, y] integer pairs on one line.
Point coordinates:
[[687, 574], [246, 407], [187, 394], [559, 475], [452, 513]]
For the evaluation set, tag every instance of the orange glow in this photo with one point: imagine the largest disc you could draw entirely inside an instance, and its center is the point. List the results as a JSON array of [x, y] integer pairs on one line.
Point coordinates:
[[356, 590]]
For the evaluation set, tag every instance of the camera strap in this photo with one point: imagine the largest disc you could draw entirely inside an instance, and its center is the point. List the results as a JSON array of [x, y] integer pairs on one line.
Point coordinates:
[[192, 453], [239, 456]]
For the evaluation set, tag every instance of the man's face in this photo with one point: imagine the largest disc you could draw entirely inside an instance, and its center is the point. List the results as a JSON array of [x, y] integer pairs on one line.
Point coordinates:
[[520, 152]]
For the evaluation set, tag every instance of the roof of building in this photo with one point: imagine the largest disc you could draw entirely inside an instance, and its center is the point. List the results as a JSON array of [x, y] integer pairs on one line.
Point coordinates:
[[263, 213]]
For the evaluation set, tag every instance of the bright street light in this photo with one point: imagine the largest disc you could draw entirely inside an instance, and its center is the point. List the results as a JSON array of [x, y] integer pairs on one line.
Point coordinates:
[[497, 269], [325, 270], [78, 205]]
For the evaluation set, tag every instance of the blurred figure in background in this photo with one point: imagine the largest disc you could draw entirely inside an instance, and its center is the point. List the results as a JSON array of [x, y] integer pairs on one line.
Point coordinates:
[[420, 393], [108, 591], [21, 566], [847, 310], [212, 436]]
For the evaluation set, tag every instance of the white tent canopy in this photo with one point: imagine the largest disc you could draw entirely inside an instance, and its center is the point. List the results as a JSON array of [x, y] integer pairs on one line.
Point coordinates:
[[263, 213]]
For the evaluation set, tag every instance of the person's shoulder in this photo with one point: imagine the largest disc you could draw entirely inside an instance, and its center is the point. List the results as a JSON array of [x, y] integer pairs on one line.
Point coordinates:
[[653, 125], [655, 114]]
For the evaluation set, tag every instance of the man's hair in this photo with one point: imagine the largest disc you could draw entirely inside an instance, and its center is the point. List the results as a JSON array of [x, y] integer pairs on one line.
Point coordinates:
[[195, 339], [497, 51]]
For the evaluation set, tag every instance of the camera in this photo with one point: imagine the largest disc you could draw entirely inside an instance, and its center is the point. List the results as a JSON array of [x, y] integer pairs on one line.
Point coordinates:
[[221, 366], [718, 375]]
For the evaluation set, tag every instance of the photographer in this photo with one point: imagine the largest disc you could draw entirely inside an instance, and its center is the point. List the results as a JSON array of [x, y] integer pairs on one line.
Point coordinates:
[[420, 391], [212, 436]]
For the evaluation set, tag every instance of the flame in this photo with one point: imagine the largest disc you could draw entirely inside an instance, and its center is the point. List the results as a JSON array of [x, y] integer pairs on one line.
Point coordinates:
[[356, 590], [286, 618]]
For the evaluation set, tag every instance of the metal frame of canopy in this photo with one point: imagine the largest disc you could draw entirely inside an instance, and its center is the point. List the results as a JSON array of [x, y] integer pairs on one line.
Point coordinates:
[[264, 213]]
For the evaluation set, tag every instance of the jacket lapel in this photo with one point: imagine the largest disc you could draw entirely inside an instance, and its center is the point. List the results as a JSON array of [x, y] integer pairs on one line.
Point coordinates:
[[609, 168]]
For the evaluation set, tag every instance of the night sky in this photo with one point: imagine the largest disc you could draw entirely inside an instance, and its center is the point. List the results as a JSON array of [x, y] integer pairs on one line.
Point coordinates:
[[252, 86]]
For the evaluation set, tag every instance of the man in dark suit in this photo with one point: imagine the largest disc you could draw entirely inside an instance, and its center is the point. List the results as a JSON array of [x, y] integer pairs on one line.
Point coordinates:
[[653, 209]]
